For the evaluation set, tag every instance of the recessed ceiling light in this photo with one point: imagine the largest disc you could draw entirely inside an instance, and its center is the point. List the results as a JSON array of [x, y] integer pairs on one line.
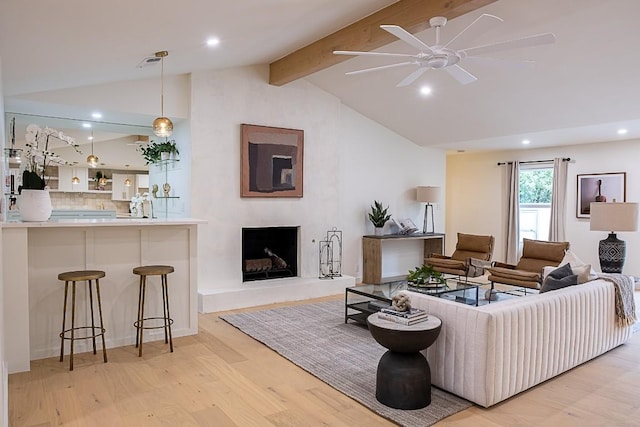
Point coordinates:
[[425, 90], [86, 125], [96, 115], [622, 131], [526, 142], [213, 41]]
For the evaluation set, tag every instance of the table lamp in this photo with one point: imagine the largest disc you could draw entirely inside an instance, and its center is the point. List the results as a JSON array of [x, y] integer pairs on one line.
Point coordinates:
[[429, 195], [613, 217]]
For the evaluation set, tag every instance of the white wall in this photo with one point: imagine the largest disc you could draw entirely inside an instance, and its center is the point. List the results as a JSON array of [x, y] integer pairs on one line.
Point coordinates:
[[474, 194], [348, 162], [4, 409]]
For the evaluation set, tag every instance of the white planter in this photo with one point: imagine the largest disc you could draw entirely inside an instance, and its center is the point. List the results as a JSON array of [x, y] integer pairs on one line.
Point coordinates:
[[379, 231], [34, 205], [165, 155]]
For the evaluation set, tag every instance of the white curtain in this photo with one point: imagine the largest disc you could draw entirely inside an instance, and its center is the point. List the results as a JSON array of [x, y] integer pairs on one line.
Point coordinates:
[[512, 208], [558, 201]]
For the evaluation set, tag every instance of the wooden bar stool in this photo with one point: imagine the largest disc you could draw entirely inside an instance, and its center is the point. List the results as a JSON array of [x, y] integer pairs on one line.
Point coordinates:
[[69, 334], [143, 272]]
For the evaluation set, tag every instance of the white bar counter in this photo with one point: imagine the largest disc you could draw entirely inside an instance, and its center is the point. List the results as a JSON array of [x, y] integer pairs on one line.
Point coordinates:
[[34, 253]]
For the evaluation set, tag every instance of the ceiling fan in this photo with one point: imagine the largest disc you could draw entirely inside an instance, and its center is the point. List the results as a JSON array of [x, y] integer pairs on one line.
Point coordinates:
[[445, 56]]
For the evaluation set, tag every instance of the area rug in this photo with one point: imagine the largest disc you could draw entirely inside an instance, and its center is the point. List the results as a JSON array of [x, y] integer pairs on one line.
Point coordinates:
[[345, 356]]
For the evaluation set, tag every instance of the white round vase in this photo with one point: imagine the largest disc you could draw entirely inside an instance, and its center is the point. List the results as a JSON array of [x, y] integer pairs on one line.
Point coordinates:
[[34, 205]]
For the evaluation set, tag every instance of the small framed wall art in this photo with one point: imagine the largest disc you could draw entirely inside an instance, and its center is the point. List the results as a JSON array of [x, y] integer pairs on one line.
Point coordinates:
[[272, 161], [600, 187]]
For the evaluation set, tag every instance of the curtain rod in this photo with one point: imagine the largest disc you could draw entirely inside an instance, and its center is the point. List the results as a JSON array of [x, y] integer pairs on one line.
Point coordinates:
[[564, 159]]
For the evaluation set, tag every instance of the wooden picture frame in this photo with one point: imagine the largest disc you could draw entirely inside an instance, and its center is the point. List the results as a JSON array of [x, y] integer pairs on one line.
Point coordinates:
[[599, 187], [271, 161]]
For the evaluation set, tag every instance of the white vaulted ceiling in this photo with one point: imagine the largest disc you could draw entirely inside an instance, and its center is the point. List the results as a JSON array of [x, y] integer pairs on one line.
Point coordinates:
[[581, 89]]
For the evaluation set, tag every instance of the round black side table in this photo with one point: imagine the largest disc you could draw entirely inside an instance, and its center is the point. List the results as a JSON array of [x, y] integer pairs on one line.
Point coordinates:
[[403, 380]]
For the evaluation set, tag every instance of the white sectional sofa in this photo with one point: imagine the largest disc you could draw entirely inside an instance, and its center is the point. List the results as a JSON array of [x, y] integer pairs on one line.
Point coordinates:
[[489, 353]]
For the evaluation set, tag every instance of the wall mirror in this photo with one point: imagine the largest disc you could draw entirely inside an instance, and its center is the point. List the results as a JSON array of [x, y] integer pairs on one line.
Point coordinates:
[[116, 145]]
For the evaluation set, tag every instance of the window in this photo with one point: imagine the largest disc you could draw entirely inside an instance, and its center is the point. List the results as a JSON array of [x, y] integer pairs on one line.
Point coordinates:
[[536, 185]]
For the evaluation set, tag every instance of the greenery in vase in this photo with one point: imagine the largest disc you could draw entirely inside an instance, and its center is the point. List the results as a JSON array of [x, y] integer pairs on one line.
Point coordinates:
[[425, 274], [39, 157], [152, 152], [378, 215]]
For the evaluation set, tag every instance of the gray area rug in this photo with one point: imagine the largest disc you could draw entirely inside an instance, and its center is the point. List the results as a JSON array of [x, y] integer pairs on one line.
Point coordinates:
[[345, 356]]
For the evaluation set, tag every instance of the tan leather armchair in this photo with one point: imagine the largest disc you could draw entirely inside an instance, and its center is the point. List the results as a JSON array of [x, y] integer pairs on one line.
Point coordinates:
[[536, 254], [473, 253]]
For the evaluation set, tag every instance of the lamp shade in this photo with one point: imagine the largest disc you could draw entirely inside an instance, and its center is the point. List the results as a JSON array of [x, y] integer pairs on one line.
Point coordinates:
[[614, 217], [428, 194]]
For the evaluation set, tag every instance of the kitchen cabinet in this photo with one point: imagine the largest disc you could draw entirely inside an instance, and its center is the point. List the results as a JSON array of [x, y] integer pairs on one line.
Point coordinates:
[[142, 182], [66, 175], [120, 190]]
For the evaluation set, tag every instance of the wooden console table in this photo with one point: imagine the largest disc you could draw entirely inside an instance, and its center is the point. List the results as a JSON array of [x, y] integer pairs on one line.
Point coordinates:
[[372, 251]]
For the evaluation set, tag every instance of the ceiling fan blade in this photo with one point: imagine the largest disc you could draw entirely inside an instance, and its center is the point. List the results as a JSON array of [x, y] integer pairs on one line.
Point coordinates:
[[407, 37], [530, 41], [356, 53], [383, 67], [412, 77], [502, 62], [481, 25], [460, 74]]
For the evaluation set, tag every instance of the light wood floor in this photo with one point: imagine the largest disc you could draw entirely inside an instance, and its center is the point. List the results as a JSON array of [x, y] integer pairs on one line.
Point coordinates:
[[222, 377]]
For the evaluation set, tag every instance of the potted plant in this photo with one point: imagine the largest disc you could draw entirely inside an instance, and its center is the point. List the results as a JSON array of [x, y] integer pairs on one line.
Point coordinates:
[[35, 203], [158, 151], [425, 276], [379, 216]]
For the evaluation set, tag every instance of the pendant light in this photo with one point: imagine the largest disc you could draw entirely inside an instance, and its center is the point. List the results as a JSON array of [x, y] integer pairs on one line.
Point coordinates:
[[75, 180], [127, 181], [162, 126], [92, 160]]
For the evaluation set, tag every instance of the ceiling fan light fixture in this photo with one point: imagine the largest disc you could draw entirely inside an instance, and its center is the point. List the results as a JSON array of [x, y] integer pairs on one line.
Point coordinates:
[[162, 126]]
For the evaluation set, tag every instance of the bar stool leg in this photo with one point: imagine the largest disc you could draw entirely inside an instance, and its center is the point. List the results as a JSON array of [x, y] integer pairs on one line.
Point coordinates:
[[64, 318], [73, 321], [164, 306], [139, 312], [93, 325], [143, 290], [102, 331], [167, 315]]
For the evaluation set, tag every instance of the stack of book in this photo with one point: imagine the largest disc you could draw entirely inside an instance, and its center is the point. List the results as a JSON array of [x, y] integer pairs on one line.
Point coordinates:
[[415, 315]]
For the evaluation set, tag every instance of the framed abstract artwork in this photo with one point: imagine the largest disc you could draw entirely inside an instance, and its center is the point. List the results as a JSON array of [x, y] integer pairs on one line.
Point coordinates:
[[272, 161], [600, 187]]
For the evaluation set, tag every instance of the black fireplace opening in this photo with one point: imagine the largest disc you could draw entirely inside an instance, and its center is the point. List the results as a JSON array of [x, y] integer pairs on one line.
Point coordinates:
[[269, 253]]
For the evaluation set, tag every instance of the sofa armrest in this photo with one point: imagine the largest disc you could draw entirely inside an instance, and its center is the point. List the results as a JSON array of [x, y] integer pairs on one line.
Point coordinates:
[[434, 255], [502, 265]]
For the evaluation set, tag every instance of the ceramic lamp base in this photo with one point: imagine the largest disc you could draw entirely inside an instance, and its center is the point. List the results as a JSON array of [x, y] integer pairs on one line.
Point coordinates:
[[612, 252]]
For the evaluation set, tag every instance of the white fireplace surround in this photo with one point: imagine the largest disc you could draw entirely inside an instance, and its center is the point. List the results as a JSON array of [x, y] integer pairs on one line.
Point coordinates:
[[268, 291]]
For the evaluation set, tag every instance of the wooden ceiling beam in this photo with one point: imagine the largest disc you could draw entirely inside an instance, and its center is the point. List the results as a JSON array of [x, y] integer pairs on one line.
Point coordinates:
[[366, 35]]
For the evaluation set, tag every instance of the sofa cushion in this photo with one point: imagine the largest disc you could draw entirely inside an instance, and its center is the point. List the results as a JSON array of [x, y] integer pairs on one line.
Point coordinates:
[[561, 272], [551, 283], [583, 272], [571, 258]]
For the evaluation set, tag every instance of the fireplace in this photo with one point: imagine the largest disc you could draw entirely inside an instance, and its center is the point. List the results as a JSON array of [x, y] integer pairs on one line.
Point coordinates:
[[269, 253]]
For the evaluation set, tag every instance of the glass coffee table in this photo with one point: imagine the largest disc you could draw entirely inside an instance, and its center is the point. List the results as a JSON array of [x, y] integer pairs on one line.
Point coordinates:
[[363, 300]]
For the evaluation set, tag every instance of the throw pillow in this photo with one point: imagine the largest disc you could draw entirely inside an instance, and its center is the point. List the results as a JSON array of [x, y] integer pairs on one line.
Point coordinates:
[[551, 283], [583, 273], [571, 258], [562, 271]]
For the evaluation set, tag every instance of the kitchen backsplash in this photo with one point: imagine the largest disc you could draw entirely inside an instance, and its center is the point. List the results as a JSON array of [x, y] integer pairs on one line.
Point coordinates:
[[88, 201]]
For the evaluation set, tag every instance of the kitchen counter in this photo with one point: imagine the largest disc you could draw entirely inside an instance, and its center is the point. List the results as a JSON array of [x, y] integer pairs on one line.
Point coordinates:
[[111, 222], [34, 253]]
